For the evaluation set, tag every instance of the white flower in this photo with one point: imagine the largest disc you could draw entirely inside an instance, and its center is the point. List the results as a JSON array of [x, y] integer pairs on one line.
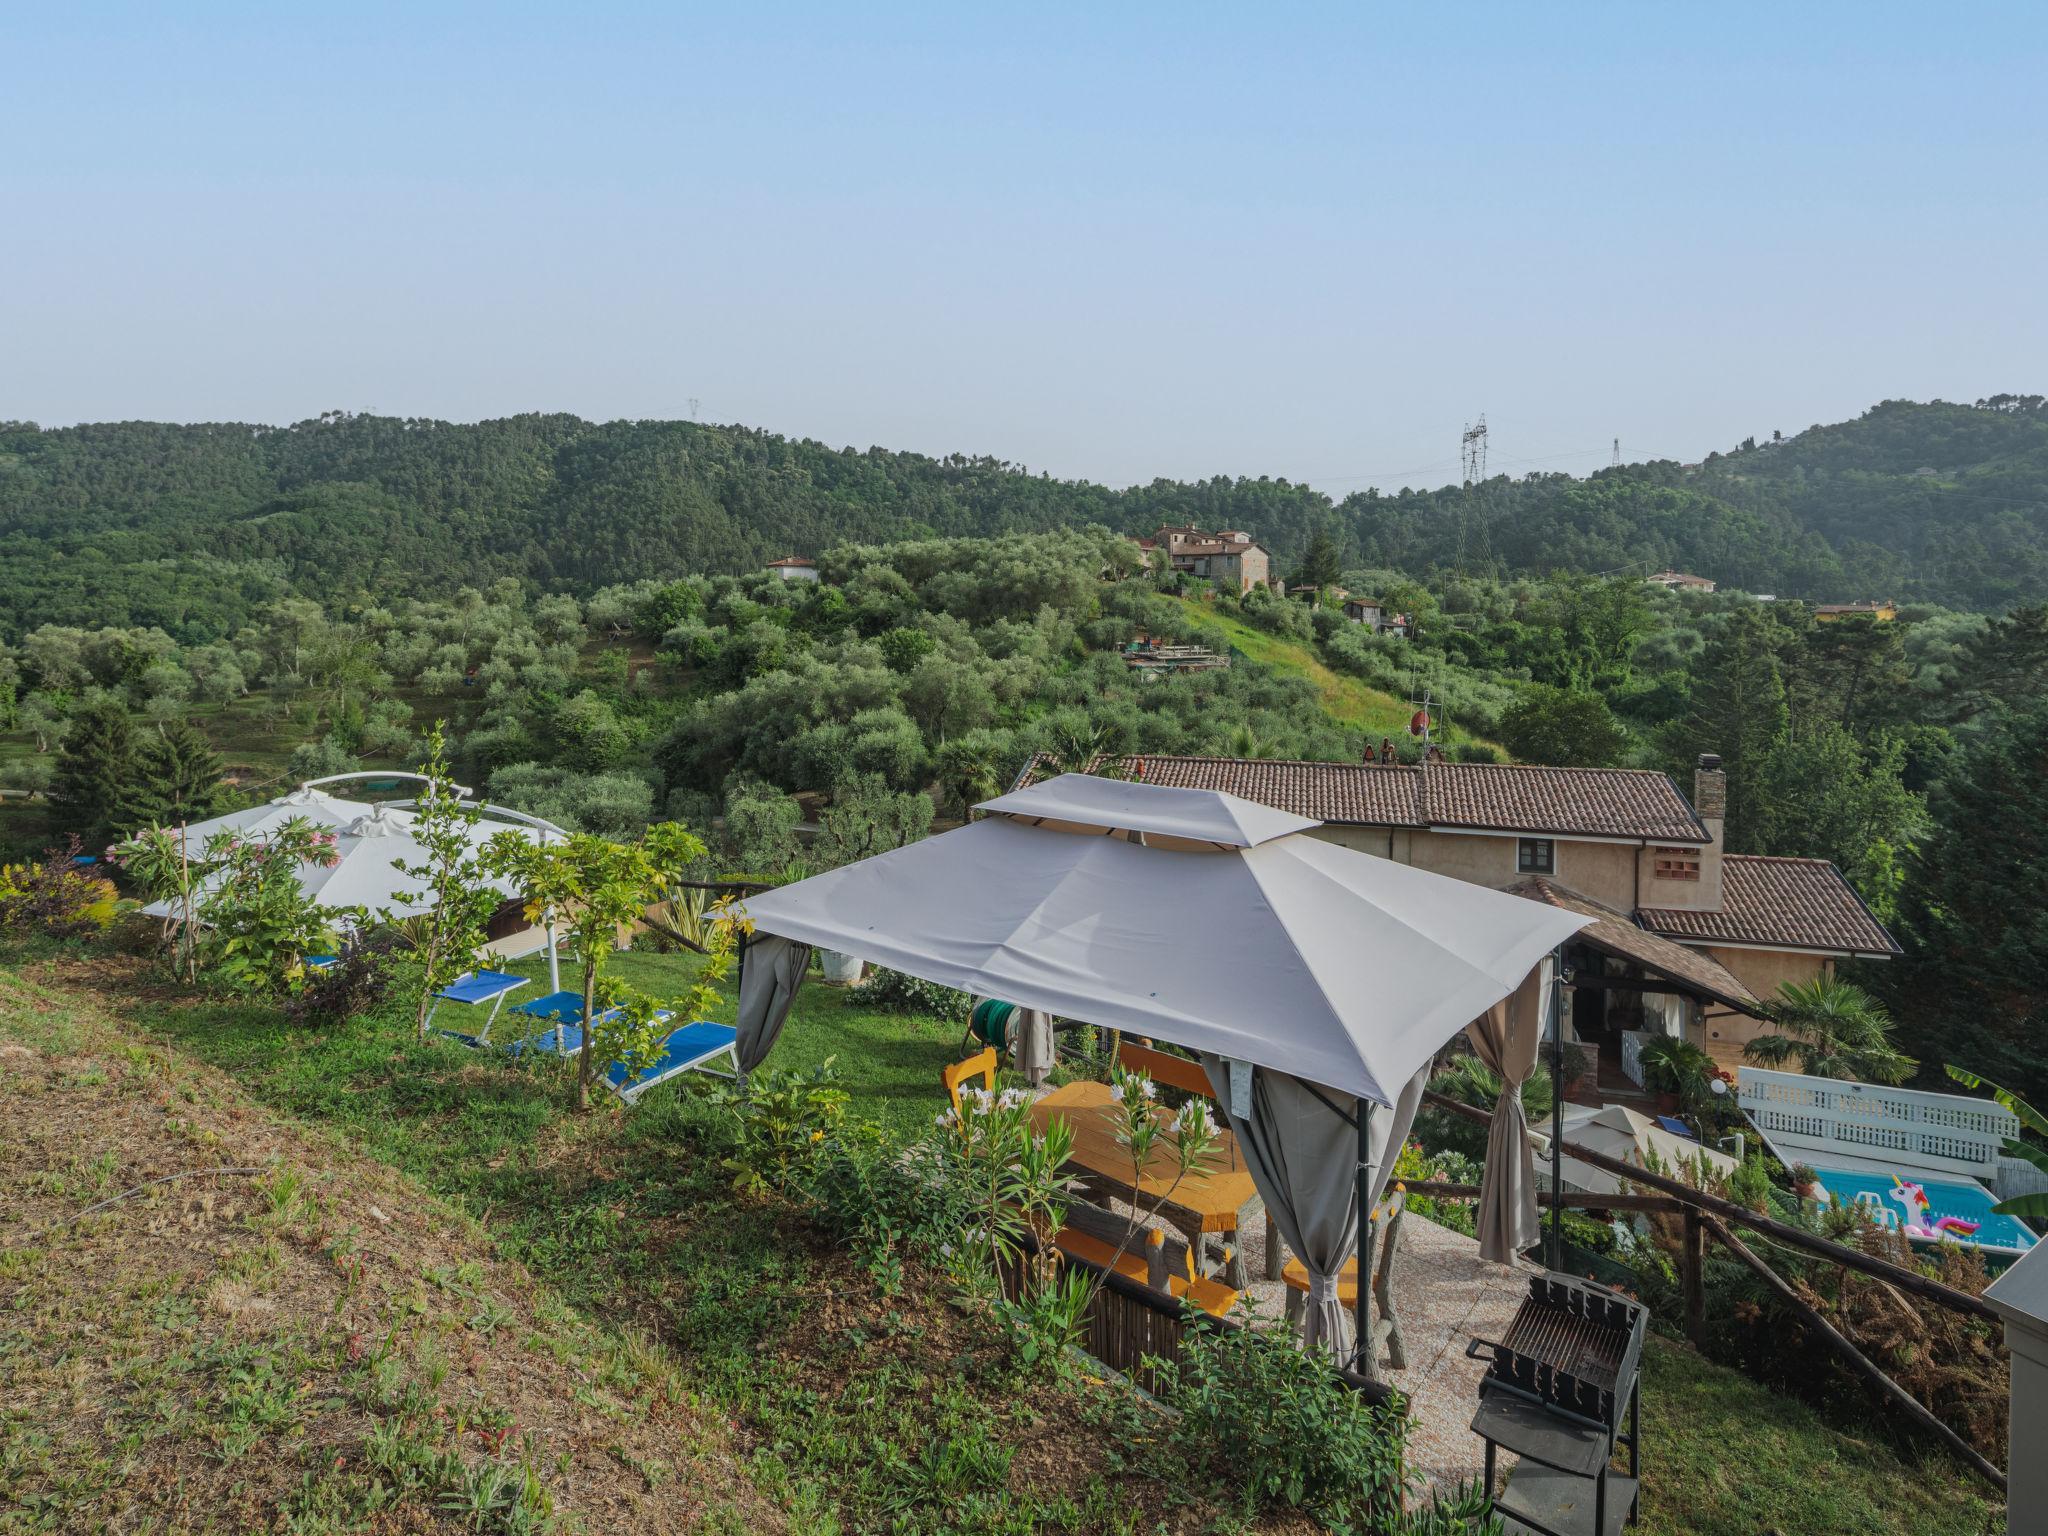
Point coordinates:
[[1146, 1088], [1117, 1093], [1012, 1097], [945, 1250], [943, 1118]]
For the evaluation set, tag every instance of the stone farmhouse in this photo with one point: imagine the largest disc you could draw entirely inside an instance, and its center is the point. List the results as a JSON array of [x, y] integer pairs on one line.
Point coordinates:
[[1232, 557]]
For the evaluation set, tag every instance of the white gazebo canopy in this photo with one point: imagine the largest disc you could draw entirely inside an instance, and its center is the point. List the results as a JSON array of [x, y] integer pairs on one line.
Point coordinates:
[[1191, 916], [1221, 926]]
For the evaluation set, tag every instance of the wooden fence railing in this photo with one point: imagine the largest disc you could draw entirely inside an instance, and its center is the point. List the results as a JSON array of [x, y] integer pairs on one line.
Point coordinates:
[[1707, 1215]]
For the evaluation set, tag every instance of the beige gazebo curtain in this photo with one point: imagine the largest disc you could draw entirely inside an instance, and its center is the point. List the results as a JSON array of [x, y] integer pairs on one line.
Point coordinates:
[[1508, 1037]]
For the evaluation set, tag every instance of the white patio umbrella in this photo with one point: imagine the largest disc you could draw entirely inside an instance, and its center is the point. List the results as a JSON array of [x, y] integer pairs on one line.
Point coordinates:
[[370, 844], [306, 803], [366, 874], [1291, 964]]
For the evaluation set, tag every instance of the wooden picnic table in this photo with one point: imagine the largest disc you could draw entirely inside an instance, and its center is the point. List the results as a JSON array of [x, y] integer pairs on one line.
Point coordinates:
[[1211, 1198]]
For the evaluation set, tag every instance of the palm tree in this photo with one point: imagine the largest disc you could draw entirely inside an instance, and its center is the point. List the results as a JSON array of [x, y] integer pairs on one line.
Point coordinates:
[[2032, 1207], [1833, 1029], [1471, 1081]]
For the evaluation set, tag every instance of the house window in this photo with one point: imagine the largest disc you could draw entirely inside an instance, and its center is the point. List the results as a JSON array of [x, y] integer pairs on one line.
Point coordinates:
[[1675, 863], [1536, 856]]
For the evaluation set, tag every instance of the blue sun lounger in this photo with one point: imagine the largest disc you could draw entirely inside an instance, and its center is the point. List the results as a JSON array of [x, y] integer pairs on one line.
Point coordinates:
[[474, 990], [690, 1048]]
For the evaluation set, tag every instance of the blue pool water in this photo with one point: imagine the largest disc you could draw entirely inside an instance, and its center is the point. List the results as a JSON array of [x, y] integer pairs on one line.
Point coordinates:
[[1969, 1202]]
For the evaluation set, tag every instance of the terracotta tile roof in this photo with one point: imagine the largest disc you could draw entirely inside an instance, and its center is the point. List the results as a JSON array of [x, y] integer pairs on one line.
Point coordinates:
[[1793, 903], [1592, 802], [1340, 792], [792, 560], [1589, 802], [1614, 933]]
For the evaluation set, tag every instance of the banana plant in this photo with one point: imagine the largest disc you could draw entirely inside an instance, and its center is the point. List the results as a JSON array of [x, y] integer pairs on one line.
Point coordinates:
[[2032, 1207]]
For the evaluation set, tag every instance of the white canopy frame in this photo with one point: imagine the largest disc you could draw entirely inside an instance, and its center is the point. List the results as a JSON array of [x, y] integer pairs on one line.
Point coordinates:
[[1185, 915]]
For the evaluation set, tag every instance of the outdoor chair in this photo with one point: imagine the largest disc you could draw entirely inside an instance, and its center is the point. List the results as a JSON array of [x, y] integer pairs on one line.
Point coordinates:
[[474, 989], [981, 1064], [1148, 1256], [1386, 1326]]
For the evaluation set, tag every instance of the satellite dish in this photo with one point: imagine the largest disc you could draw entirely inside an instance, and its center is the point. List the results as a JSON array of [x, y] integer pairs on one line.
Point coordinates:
[[1418, 722]]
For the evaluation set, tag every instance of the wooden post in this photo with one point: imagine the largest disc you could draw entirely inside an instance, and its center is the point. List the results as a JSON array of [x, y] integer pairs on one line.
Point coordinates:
[[1155, 1259], [1691, 1265], [1854, 1358]]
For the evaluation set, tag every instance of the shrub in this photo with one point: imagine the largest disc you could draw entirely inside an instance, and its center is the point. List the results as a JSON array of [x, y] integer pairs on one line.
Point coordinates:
[[878, 1197], [55, 897], [358, 981], [780, 1120], [893, 992], [256, 926], [1273, 1423]]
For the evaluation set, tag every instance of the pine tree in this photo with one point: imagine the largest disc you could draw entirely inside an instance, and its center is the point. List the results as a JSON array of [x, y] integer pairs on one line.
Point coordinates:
[[95, 771], [177, 779], [1739, 710], [1319, 566]]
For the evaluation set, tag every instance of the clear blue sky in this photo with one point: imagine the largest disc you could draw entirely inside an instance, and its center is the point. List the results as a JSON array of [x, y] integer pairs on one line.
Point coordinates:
[[1113, 241]]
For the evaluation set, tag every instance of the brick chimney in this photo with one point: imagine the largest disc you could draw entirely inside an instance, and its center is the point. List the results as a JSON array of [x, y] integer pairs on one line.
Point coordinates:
[[1710, 793]]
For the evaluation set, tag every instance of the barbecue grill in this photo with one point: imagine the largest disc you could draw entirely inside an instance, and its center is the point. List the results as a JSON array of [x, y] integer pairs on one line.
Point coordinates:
[[1555, 1393]]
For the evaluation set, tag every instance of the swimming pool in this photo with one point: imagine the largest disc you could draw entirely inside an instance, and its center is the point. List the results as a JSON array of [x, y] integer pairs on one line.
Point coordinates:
[[1968, 1203]]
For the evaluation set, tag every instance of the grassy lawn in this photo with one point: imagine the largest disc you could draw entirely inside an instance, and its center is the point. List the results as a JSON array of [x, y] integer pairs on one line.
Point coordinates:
[[1724, 1456], [890, 1062], [855, 1402]]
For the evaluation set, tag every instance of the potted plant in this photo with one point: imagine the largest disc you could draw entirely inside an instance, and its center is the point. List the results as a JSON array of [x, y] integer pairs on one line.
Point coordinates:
[[1578, 1079], [841, 970], [1676, 1071]]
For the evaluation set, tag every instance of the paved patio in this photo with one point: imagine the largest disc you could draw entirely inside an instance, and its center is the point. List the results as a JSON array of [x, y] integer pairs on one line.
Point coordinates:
[[1444, 1295]]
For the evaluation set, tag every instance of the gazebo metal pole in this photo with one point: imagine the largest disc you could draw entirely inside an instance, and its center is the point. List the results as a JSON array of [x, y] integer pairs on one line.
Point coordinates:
[[1362, 1360], [1555, 1247]]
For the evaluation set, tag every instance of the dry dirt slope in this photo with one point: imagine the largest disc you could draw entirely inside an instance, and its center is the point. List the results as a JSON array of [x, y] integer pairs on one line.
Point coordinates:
[[313, 1346]]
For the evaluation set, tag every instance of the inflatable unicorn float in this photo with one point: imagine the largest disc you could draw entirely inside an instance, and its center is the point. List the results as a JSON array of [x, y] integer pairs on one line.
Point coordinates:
[[1916, 1224]]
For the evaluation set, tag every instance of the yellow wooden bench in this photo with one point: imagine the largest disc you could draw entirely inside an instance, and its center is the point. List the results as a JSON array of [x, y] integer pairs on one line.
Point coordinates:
[[1386, 1327], [1149, 1257], [1173, 1071]]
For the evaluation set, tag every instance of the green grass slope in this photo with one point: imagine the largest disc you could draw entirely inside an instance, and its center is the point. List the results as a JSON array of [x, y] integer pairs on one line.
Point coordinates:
[[1345, 699]]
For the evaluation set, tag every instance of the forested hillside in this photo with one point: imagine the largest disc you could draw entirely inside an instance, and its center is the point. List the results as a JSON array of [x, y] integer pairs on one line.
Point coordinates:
[[1939, 503], [192, 528]]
